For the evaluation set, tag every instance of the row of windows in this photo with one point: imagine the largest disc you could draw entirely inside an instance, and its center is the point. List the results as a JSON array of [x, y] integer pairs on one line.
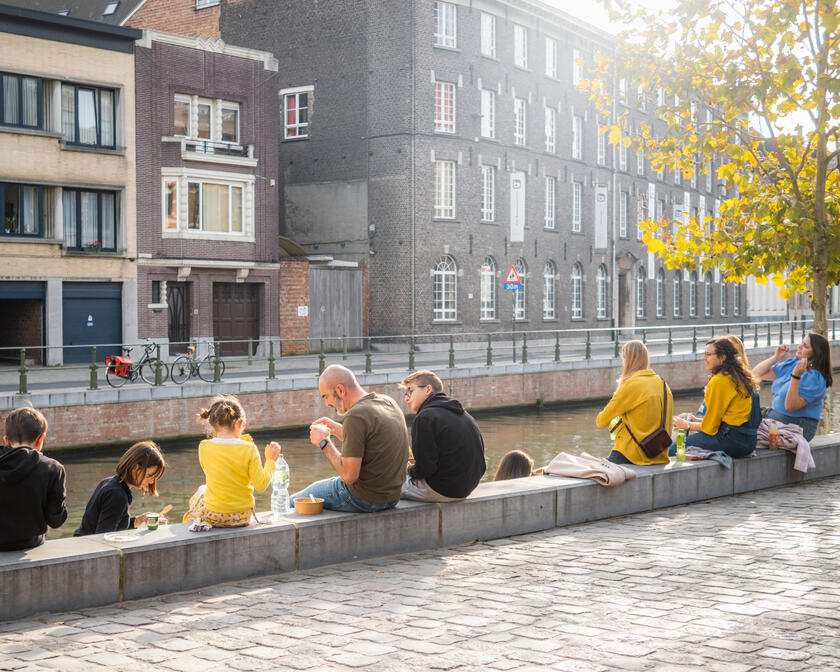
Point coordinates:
[[445, 201], [90, 217], [88, 113], [446, 35], [445, 292]]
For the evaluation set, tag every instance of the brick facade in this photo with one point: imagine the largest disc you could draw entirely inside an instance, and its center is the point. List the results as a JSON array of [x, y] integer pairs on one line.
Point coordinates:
[[177, 16], [294, 283], [373, 119], [210, 73]]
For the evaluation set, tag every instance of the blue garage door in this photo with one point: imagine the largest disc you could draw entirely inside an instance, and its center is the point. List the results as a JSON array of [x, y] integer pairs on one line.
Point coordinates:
[[92, 316]]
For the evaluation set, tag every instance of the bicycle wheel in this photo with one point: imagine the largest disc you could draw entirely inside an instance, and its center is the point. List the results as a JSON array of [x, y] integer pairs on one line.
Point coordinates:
[[208, 367], [113, 379], [181, 369], [147, 371]]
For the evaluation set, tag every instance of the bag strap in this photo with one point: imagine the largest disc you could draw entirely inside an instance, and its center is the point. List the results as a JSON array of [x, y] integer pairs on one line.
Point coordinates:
[[664, 409]]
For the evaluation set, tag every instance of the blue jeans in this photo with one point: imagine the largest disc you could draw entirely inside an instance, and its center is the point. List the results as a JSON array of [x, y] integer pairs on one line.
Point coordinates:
[[337, 497], [809, 425], [734, 441], [617, 458]]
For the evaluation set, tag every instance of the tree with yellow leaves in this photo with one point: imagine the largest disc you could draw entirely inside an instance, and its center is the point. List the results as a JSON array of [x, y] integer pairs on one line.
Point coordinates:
[[749, 89]]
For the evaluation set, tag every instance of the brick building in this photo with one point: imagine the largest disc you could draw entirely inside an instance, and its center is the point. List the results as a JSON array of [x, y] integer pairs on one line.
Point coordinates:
[[67, 185], [208, 257], [445, 142]]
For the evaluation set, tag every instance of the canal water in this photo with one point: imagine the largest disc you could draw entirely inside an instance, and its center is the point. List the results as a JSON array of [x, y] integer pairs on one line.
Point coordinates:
[[542, 434]]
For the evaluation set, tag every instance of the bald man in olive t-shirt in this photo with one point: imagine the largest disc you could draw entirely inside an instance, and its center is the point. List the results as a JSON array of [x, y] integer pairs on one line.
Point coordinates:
[[374, 451]]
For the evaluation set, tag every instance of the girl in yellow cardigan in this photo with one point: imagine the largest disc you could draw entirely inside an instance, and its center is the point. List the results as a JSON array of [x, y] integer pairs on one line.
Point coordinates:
[[638, 402], [231, 465]]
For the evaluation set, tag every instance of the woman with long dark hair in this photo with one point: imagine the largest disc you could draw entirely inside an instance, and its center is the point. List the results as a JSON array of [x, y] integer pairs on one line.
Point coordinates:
[[733, 410], [799, 382]]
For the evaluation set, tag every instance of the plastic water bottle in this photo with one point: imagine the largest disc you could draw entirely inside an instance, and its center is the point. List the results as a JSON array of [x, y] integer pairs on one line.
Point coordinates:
[[280, 488], [680, 445]]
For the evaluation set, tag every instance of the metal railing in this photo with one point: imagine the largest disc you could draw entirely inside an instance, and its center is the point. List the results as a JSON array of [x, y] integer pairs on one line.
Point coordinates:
[[302, 357]]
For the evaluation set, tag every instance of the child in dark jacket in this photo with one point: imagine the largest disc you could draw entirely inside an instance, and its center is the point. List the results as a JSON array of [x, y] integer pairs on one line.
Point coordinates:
[[32, 490], [107, 511]]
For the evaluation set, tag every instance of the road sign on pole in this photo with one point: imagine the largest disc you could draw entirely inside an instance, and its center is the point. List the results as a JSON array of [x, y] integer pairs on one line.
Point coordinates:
[[512, 279]]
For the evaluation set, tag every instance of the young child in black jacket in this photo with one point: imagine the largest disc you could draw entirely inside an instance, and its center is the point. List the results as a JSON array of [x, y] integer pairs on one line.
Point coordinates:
[[32, 490], [107, 510]]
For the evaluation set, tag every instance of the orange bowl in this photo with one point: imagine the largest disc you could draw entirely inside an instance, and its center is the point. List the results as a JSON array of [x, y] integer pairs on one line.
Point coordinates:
[[306, 507]]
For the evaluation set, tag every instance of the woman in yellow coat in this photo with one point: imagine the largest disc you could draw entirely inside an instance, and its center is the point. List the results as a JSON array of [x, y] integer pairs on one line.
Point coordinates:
[[638, 402]]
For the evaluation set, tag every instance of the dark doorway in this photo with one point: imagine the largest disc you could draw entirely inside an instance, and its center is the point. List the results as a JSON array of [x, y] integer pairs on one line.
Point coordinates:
[[625, 309], [236, 315], [178, 298]]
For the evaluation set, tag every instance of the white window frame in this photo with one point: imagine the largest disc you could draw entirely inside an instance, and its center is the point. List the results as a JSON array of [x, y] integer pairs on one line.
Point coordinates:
[[577, 291], [723, 299], [641, 291], [488, 34], [488, 113], [550, 130], [692, 294], [677, 174], [446, 25], [519, 305], [641, 98], [677, 293], [640, 159], [660, 293], [707, 295], [641, 215], [183, 177], [577, 67], [577, 137], [299, 129], [444, 107], [623, 201], [622, 156], [227, 105], [488, 193], [710, 164], [550, 201], [487, 289], [577, 202], [549, 295], [601, 286], [444, 284], [551, 57], [444, 188], [520, 46], [602, 147], [736, 299], [520, 107]]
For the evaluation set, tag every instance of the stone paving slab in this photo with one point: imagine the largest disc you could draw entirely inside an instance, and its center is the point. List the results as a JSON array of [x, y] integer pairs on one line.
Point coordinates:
[[740, 584]]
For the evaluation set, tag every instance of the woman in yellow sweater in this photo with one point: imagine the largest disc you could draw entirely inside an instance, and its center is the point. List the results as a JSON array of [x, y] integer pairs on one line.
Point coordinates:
[[638, 402], [231, 465], [733, 409]]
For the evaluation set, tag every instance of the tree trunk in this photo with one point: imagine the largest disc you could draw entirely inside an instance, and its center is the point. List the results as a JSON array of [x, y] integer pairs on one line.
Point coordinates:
[[819, 285]]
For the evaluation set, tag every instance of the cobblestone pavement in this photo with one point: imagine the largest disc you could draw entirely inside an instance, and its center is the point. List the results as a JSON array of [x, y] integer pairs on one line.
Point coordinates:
[[736, 584]]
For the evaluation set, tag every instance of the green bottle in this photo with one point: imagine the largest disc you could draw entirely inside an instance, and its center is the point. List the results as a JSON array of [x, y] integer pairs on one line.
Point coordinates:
[[680, 445]]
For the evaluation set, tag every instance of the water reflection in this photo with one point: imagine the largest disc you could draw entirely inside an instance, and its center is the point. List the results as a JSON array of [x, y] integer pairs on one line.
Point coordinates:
[[541, 434]]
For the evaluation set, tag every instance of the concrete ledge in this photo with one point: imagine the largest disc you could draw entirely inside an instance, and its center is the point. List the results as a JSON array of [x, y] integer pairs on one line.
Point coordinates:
[[82, 572]]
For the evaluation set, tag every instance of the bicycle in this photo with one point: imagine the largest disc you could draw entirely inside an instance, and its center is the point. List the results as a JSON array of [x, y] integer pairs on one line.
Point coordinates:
[[121, 370], [185, 367]]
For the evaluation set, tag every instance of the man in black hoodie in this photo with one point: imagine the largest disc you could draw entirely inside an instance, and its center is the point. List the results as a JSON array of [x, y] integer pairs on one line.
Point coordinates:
[[32, 492], [446, 445]]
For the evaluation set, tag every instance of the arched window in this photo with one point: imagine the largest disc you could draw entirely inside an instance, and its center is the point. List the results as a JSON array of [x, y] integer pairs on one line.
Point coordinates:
[[577, 291], [602, 291], [723, 287], [736, 300], [707, 293], [640, 292], [487, 285], [519, 294], [660, 293], [692, 294], [445, 289], [677, 292], [548, 290]]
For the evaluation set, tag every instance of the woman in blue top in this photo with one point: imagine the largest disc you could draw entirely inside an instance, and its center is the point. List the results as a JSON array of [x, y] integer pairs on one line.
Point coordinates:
[[799, 383]]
